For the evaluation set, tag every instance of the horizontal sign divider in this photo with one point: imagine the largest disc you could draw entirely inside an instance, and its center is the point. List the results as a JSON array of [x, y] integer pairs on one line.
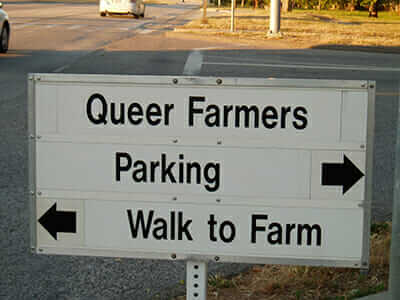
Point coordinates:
[[83, 79], [173, 199], [200, 142], [339, 262]]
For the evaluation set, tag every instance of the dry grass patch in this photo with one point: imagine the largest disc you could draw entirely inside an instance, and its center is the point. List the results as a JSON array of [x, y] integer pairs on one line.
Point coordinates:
[[308, 27], [303, 282], [68, 1]]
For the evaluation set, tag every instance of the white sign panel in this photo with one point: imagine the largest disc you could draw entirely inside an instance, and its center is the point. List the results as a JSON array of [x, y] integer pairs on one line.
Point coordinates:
[[240, 170]]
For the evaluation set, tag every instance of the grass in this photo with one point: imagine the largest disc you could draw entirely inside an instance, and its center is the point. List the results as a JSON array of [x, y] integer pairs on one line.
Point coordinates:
[[306, 27], [216, 281], [166, 2], [308, 283], [67, 1], [361, 15]]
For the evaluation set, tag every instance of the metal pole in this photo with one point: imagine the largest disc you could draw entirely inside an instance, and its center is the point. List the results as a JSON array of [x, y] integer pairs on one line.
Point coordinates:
[[196, 280], [204, 19], [275, 17], [233, 16], [394, 274]]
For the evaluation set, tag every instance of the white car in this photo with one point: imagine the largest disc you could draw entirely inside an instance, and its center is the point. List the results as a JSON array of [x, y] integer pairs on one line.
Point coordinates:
[[132, 7], [5, 30]]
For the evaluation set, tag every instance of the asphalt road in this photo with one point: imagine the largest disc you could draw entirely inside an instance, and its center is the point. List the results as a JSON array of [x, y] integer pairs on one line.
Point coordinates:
[[72, 38], [50, 38]]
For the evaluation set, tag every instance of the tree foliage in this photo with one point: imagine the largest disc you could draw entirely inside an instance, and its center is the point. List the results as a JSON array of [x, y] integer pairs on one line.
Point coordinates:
[[351, 5]]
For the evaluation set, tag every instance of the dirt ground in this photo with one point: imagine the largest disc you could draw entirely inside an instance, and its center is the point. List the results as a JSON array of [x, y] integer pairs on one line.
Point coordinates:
[[276, 282], [300, 29]]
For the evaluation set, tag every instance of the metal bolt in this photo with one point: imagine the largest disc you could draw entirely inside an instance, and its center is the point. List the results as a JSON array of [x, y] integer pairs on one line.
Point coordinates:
[[173, 255], [39, 193], [219, 142], [175, 141], [216, 258], [175, 81], [219, 81]]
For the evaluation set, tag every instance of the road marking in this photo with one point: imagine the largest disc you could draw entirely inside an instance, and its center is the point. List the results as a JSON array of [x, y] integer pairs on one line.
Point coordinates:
[[135, 26], [207, 48], [296, 66], [193, 63], [62, 68], [93, 29], [146, 31], [19, 26], [73, 27], [85, 27]]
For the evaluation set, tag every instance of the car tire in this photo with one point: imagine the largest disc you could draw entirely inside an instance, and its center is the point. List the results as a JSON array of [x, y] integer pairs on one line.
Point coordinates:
[[103, 13], [4, 39]]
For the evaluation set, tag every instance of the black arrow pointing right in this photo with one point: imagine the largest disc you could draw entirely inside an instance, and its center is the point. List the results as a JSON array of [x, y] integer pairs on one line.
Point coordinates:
[[58, 221], [344, 174]]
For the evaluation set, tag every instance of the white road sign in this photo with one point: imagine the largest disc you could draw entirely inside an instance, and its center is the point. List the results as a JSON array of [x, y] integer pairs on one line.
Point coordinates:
[[243, 170]]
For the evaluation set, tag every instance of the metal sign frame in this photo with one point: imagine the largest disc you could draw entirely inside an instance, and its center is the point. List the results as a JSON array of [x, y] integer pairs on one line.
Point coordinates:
[[54, 79]]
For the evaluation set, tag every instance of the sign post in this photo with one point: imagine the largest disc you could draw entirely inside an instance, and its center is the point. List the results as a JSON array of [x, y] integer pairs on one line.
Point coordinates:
[[196, 280], [394, 277], [275, 18], [233, 3], [201, 169]]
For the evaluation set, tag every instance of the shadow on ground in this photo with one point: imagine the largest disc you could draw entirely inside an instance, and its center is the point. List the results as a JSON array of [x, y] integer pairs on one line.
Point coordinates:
[[29, 276], [375, 49]]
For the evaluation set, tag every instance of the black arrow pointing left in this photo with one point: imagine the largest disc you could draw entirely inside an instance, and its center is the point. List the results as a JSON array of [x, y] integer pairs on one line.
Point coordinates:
[[58, 221]]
